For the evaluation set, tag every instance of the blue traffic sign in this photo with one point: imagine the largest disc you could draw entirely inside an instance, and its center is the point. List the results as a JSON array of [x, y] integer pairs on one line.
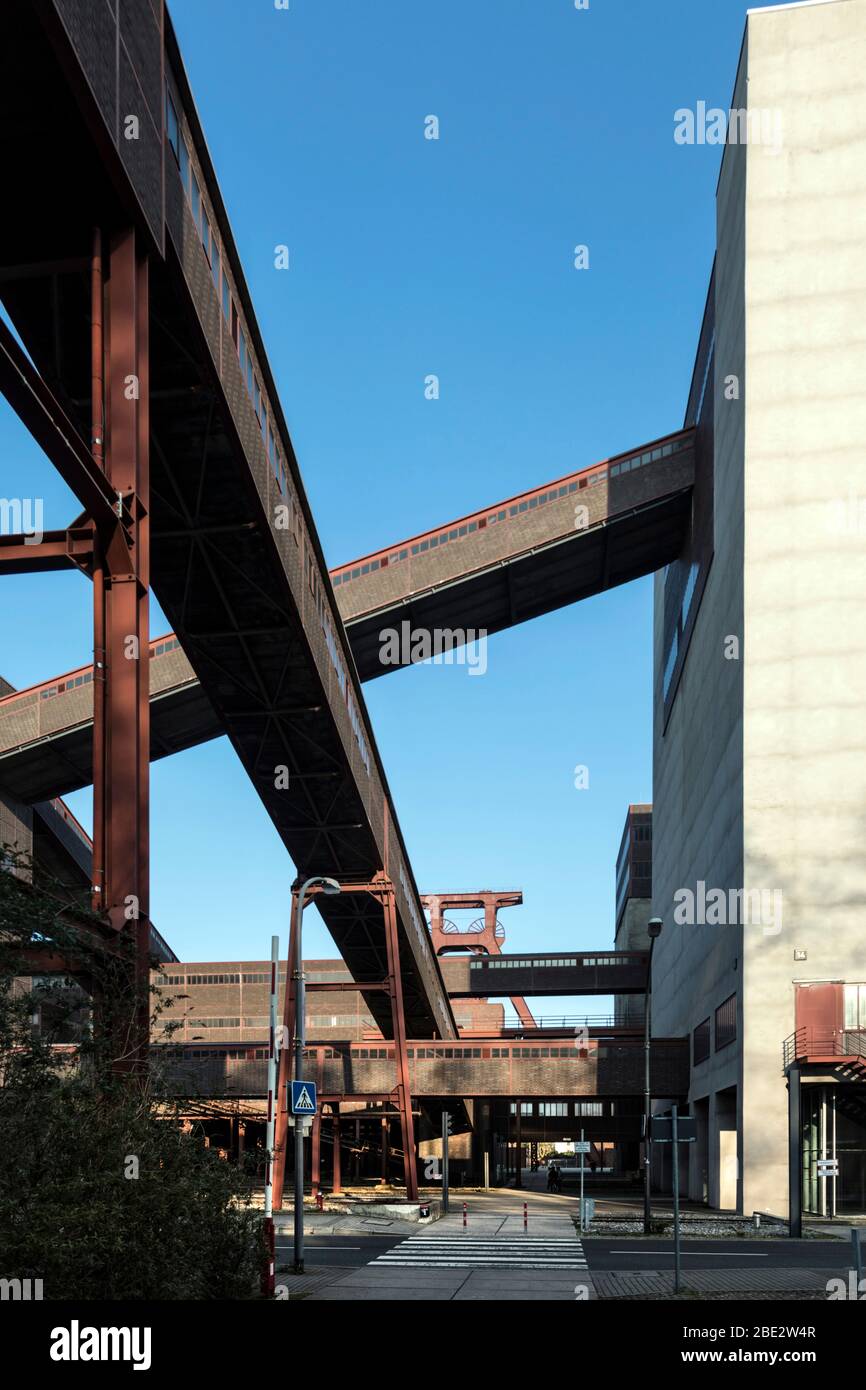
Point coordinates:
[[304, 1101]]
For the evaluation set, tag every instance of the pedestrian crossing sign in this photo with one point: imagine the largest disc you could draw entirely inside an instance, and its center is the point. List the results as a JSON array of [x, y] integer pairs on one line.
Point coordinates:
[[303, 1097]]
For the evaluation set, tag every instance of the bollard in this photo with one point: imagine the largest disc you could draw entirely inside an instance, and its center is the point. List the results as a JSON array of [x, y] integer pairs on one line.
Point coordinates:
[[464, 1213], [525, 1216], [757, 1216]]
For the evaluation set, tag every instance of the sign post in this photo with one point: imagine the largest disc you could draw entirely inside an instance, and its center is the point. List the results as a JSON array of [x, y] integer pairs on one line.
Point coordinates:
[[582, 1166], [674, 1129], [676, 1177], [270, 1238]]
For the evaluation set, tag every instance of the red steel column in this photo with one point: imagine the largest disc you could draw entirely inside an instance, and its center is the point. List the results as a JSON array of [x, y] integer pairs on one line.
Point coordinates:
[[316, 1161], [122, 706], [97, 446], [336, 1186], [284, 1071], [395, 989]]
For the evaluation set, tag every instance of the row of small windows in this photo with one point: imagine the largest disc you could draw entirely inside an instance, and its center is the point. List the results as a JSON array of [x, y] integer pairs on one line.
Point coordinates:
[[558, 1108], [339, 1020], [221, 283], [212, 979], [214, 1022], [86, 677], [516, 509], [262, 977], [170, 644], [556, 962], [455, 1053], [237, 1054]]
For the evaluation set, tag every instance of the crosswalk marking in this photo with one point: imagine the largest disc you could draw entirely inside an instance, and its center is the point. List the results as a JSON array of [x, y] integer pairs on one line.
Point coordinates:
[[469, 1252]]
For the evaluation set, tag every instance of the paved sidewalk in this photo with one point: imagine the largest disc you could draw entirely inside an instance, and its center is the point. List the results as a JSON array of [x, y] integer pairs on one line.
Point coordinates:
[[491, 1259]]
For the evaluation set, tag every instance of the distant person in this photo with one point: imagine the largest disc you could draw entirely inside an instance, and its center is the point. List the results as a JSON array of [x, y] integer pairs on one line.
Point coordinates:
[[551, 1177]]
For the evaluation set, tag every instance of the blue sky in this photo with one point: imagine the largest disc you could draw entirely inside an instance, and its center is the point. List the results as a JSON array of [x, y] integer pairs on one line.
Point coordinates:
[[454, 257]]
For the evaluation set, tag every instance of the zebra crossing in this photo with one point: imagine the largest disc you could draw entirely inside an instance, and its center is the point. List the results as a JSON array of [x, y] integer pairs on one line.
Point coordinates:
[[470, 1252]]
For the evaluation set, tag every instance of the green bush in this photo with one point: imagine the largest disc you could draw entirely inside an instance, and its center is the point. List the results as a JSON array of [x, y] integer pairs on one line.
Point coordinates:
[[102, 1196]]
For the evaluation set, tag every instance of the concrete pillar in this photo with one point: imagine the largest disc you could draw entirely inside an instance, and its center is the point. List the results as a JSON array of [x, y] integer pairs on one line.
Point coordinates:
[[336, 1133], [316, 1173]]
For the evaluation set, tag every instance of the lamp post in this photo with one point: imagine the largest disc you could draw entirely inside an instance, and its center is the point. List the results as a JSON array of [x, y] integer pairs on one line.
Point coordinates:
[[654, 927], [329, 886]]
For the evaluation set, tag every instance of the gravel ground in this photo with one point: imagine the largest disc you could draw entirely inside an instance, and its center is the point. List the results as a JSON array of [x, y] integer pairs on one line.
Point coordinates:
[[691, 1229]]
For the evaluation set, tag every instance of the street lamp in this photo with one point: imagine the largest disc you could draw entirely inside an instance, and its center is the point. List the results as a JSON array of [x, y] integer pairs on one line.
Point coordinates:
[[328, 886], [654, 929]]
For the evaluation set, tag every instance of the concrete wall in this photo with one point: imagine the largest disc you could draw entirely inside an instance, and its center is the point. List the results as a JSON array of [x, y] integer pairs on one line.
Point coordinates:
[[804, 785], [760, 777]]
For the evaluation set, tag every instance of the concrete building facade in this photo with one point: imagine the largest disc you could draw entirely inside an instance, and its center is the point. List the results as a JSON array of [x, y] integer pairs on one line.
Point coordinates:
[[760, 634]]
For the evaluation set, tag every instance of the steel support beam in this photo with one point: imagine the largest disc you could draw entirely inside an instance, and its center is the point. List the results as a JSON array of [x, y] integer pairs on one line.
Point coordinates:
[[53, 550], [121, 730], [42, 414]]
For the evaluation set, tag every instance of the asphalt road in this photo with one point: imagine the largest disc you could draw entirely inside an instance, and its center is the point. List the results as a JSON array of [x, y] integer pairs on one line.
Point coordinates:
[[336, 1250], [649, 1255]]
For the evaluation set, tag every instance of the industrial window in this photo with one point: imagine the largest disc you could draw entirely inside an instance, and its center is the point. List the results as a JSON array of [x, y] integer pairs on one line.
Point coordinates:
[[184, 165], [513, 511], [726, 1022], [553, 1107], [434, 541], [525, 1107], [701, 1043], [214, 979], [855, 1006], [500, 1052], [214, 1022], [501, 516], [425, 545], [195, 199], [462, 531], [171, 126], [473, 526], [533, 502], [588, 1107], [522, 506]]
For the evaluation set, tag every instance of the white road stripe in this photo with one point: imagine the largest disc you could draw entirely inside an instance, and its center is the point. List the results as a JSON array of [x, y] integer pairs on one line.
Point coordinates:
[[468, 1252]]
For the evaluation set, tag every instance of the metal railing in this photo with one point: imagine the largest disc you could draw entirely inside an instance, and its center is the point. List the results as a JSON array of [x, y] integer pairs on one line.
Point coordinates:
[[809, 1042]]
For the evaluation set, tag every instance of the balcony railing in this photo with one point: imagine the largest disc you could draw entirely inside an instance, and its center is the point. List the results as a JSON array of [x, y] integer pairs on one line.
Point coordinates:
[[814, 1044]]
